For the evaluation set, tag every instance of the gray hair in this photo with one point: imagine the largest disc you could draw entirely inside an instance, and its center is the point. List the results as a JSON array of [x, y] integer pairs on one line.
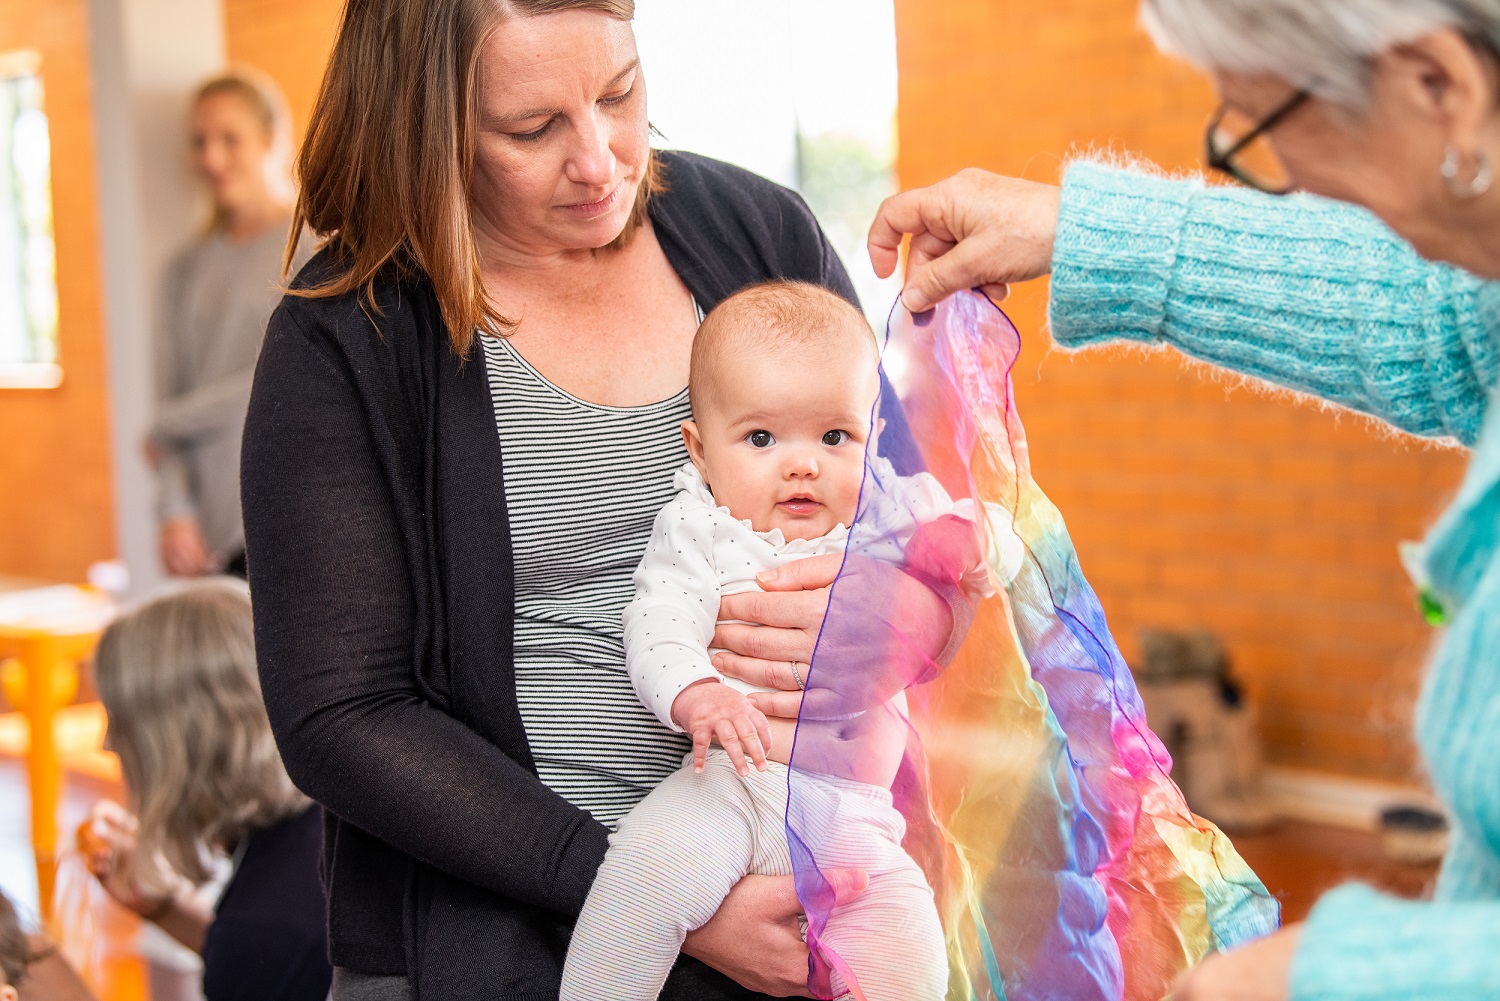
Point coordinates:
[[1326, 46], [177, 678]]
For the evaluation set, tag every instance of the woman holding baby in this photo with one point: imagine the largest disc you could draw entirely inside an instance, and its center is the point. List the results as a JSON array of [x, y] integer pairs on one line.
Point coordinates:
[[465, 419]]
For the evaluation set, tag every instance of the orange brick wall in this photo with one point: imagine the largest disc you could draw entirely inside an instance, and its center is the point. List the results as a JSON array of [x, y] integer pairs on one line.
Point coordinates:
[[56, 500], [287, 39], [1191, 500]]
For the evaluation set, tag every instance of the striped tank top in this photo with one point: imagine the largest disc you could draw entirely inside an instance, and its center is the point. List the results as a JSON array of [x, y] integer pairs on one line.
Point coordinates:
[[583, 484]]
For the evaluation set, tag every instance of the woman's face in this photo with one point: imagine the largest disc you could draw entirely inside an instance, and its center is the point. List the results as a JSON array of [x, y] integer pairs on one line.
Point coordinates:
[[1386, 157], [562, 141], [230, 146]]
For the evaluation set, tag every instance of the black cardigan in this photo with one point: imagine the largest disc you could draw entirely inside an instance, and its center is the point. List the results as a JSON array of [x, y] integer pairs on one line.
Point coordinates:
[[380, 561]]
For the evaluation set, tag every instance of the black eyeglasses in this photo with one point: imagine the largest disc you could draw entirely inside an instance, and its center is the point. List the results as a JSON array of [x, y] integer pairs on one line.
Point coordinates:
[[1235, 146]]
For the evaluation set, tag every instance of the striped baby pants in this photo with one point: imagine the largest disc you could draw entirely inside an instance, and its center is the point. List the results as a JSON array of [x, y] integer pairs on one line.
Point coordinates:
[[675, 857]]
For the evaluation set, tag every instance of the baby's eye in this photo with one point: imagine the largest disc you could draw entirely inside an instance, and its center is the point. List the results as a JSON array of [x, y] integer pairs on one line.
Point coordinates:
[[835, 437], [760, 439]]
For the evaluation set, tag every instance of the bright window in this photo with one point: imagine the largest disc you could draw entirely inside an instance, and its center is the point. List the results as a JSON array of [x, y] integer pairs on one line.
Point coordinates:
[[800, 91], [28, 262]]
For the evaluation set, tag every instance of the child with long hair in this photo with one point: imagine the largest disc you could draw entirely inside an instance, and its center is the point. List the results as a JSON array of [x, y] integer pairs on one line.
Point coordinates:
[[203, 778]]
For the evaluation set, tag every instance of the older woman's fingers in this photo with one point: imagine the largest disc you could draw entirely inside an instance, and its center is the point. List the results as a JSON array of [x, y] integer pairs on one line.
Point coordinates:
[[997, 292], [916, 211], [766, 642], [796, 609], [780, 674]]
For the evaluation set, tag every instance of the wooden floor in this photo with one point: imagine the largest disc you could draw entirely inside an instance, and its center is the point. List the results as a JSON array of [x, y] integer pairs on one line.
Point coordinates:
[[1299, 861]]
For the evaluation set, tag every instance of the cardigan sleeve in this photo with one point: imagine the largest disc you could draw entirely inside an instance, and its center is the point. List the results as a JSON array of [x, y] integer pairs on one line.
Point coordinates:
[[1360, 945], [1301, 291], [334, 627]]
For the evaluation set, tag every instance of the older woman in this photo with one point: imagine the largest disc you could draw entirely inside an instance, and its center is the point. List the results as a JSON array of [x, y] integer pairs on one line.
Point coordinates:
[[1389, 104], [464, 422]]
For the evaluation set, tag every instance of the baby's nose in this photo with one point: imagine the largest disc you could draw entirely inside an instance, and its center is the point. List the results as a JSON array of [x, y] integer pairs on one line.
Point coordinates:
[[801, 463]]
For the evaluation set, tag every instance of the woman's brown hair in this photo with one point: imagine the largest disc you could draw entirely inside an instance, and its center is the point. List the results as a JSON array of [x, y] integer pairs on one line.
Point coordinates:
[[384, 171]]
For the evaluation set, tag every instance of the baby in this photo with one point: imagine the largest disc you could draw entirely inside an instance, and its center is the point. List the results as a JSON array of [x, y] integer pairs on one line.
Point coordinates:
[[784, 382]]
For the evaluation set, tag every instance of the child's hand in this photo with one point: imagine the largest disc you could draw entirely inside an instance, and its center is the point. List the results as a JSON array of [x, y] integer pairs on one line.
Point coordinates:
[[709, 709], [108, 843]]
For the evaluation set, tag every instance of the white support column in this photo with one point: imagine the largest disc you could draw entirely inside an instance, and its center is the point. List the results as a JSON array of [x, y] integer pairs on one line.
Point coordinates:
[[146, 56]]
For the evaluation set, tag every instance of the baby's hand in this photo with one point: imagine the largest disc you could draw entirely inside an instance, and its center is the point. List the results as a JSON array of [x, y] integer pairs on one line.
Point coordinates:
[[944, 550], [709, 709]]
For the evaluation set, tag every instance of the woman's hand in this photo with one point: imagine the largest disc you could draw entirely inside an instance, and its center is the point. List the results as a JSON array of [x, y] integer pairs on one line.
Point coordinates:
[[755, 937], [880, 655], [183, 550], [1260, 971], [975, 229]]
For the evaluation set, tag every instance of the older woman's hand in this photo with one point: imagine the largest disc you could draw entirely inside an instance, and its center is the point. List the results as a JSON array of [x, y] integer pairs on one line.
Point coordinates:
[[975, 229], [1260, 971], [883, 654]]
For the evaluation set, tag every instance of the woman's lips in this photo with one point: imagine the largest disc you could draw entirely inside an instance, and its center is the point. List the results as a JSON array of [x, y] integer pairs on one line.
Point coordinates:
[[603, 205]]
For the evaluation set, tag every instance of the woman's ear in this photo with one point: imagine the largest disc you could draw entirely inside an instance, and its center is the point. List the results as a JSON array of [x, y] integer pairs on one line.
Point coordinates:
[[1448, 81]]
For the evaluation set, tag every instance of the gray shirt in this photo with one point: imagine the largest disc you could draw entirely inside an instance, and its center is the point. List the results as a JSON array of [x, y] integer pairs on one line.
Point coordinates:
[[216, 299]]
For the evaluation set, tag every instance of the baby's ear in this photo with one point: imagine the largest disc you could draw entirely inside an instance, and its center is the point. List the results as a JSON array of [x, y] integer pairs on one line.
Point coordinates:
[[874, 446], [693, 439]]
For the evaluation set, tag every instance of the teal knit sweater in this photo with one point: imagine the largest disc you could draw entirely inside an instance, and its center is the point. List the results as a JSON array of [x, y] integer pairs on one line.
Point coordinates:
[[1320, 297]]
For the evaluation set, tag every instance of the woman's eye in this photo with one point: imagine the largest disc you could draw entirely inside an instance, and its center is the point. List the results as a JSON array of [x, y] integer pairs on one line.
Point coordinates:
[[760, 439], [835, 437], [534, 134], [618, 98]]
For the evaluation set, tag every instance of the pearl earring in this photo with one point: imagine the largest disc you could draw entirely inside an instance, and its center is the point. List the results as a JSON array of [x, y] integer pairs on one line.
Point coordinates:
[[1484, 177]]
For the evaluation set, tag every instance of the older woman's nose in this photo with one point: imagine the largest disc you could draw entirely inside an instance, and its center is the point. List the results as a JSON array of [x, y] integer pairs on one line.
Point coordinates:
[[592, 161]]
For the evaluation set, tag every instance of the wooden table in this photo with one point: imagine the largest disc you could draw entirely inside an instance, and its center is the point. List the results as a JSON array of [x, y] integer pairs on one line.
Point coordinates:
[[46, 636]]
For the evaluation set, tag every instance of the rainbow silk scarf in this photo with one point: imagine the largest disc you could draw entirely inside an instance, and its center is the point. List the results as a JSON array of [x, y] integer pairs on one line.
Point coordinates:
[[1065, 863]]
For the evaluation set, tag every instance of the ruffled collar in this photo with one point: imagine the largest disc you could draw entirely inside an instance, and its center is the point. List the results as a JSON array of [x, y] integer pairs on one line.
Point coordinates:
[[690, 482]]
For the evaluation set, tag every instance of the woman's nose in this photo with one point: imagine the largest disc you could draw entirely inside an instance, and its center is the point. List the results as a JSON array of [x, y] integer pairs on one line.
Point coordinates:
[[592, 162]]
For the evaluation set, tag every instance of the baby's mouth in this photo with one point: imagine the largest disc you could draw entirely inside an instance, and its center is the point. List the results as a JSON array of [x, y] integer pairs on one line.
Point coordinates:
[[800, 505]]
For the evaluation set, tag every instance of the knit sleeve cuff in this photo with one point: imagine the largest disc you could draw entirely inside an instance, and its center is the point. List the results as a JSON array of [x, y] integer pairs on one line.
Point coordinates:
[[1360, 945], [1118, 234]]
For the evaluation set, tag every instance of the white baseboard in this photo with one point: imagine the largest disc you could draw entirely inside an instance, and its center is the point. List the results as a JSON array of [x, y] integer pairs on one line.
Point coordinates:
[[1337, 800]]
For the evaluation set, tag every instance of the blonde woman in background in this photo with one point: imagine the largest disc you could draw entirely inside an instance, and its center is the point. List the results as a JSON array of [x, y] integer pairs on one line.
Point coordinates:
[[216, 297], [203, 778]]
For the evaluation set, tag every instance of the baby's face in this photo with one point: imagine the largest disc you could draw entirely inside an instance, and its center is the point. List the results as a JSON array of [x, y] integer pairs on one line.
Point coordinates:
[[782, 441]]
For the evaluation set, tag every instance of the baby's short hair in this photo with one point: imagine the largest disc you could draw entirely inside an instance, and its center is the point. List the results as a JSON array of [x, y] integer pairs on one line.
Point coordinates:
[[774, 314]]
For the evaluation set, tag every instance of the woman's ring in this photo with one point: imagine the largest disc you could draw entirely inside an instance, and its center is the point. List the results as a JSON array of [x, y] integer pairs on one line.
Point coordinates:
[[797, 675]]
